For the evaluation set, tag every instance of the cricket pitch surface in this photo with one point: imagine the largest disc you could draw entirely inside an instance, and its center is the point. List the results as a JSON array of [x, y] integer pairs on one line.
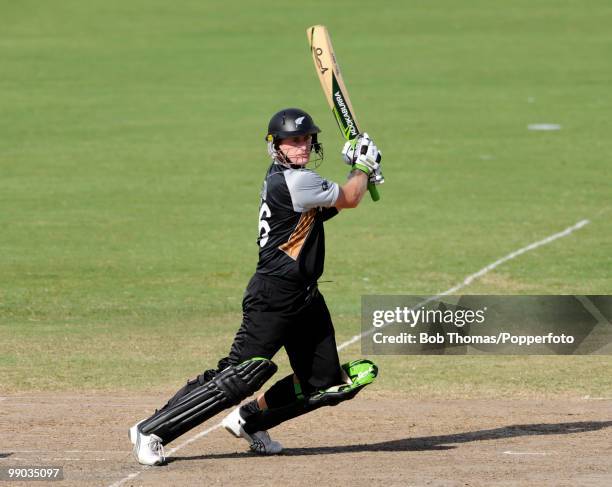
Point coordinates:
[[371, 440]]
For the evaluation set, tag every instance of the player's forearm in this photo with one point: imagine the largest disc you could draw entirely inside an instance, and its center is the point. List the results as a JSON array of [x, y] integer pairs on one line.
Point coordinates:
[[353, 190], [360, 180]]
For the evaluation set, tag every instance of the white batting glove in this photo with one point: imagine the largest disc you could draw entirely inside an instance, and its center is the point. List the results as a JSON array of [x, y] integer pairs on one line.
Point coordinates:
[[362, 153], [376, 177], [349, 151]]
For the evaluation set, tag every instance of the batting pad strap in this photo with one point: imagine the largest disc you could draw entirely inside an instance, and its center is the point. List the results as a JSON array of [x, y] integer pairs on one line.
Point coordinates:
[[360, 373], [297, 388], [226, 389]]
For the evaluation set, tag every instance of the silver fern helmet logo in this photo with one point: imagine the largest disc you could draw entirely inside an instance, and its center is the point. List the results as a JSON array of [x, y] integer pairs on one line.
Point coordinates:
[[299, 120]]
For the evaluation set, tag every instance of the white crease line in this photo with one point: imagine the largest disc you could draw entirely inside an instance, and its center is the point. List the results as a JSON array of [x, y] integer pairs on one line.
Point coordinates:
[[593, 310], [589, 398], [191, 440], [129, 477], [466, 282], [472, 277]]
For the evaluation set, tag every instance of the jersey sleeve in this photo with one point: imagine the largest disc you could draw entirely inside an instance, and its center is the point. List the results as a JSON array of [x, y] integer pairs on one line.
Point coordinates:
[[309, 190]]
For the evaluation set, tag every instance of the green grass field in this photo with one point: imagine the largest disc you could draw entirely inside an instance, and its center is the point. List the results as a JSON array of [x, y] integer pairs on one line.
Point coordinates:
[[132, 151]]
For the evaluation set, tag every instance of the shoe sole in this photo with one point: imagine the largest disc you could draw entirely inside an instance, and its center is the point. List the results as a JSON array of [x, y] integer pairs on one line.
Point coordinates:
[[266, 453]]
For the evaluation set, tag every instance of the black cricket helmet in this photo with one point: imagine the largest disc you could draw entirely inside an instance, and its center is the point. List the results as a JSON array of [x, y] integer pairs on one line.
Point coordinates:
[[291, 122]]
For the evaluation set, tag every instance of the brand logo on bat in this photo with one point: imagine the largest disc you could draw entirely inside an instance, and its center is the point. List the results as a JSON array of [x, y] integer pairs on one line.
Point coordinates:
[[318, 51], [348, 119]]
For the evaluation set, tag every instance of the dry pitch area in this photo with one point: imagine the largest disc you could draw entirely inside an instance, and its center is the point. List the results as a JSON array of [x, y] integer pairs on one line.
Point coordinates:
[[368, 441]]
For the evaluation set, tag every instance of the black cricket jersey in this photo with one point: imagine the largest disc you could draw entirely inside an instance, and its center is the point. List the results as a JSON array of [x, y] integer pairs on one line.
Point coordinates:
[[294, 204]]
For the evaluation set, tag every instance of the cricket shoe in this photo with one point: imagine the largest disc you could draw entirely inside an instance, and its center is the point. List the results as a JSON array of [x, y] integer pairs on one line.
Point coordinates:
[[148, 449], [133, 432], [259, 442]]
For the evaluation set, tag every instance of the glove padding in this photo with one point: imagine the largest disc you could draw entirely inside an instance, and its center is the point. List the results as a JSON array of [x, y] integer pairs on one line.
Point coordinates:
[[363, 154], [376, 177]]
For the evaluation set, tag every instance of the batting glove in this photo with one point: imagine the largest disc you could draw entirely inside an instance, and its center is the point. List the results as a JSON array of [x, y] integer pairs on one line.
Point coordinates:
[[362, 153], [376, 177]]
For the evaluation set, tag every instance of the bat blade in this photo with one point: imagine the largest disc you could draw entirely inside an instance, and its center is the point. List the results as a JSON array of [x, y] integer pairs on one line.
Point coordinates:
[[335, 91], [332, 82]]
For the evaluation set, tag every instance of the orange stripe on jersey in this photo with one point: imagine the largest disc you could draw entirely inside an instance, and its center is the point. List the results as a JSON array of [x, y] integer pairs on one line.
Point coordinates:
[[294, 245]]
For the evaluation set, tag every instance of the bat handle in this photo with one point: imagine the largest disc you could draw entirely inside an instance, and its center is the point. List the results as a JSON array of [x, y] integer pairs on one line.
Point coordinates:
[[373, 192], [371, 186]]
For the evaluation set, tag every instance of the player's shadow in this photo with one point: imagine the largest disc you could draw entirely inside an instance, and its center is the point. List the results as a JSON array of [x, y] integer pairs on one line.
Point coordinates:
[[427, 443], [4, 455]]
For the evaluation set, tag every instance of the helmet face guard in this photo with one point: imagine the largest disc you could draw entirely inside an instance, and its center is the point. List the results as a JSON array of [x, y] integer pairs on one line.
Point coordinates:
[[278, 155], [292, 122]]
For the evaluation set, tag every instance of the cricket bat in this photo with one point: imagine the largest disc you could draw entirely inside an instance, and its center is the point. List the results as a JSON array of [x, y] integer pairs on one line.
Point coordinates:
[[334, 88]]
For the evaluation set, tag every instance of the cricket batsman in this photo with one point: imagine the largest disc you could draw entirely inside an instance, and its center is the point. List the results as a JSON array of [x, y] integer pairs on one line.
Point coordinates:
[[282, 306]]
